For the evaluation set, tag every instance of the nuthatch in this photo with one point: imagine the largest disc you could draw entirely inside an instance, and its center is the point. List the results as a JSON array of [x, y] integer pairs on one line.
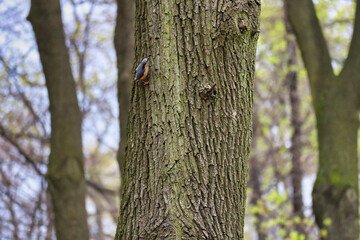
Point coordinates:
[[142, 71]]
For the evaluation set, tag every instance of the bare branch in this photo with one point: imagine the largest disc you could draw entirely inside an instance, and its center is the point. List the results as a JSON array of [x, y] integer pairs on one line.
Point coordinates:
[[10, 139], [12, 73], [100, 188]]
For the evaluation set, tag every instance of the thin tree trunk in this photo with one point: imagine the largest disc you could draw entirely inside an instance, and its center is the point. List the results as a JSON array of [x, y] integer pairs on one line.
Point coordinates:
[[50, 217], [66, 168], [124, 45], [296, 146], [186, 163], [336, 101], [255, 177]]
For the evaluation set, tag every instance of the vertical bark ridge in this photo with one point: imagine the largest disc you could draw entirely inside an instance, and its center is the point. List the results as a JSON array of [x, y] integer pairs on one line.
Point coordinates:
[[186, 162]]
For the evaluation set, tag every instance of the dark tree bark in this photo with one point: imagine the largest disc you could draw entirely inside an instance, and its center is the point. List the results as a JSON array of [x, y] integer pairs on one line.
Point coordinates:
[[124, 45], [296, 174], [187, 154], [66, 168], [336, 104]]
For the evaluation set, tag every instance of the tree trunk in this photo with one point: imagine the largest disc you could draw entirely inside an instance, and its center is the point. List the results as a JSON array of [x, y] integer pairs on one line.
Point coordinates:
[[255, 180], [124, 45], [336, 101], [335, 194], [296, 145], [65, 169], [186, 163]]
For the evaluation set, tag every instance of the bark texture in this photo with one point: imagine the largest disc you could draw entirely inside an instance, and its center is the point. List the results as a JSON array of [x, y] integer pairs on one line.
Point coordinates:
[[186, 163], [336, 104], [124, 45], [65, 169]]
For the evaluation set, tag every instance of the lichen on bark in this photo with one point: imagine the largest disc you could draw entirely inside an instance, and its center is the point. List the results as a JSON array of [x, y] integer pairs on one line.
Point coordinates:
[[186, 163]]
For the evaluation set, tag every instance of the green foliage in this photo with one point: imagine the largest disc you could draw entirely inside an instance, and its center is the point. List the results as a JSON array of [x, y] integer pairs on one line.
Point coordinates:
[[277, 218], [295, 236], [336, 19], [327, 222], [273, 137]]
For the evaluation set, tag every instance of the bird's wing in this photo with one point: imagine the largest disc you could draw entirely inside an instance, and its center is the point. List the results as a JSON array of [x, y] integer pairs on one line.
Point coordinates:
[[138, 67], [139, 73]]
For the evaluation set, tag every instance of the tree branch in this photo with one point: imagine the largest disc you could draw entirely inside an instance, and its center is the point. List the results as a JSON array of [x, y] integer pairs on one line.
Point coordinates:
[[13, 74], [99, 188], [310, 38], [351, 67], [352, 62], [9, 138]]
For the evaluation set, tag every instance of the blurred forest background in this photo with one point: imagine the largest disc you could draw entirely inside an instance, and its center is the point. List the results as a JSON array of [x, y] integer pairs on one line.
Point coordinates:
[[284, 144]]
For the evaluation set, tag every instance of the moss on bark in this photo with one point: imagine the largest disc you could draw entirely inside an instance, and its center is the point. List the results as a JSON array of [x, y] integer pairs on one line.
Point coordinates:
[[186, 162]]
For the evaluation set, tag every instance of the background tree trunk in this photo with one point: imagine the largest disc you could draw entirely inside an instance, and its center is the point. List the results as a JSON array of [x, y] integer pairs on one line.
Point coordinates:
[[186, 163], [65, 169], [336, 104], [124, 46], [255, 172], [296, 123]]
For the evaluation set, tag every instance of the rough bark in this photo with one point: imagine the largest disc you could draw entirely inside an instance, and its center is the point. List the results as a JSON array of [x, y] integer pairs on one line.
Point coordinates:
[[124, 45], [187, 154], [336, 104], [65, 169], [296, 174]]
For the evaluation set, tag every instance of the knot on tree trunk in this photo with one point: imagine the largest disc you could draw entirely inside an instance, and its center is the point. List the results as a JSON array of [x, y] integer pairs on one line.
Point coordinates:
[[335, 202], [208, 92]]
